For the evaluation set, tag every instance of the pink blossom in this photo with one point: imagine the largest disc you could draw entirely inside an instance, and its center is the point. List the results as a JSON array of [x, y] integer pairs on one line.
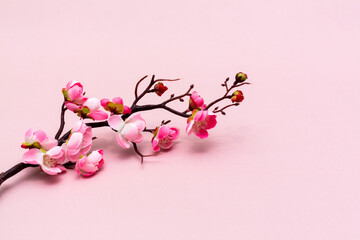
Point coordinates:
[[90, 109], [50, 161], [79, 142], [88, 165], [164, 137], [199, 123], [128, 130], [73, 92], [116, 106], [196, 102], [38, 139]]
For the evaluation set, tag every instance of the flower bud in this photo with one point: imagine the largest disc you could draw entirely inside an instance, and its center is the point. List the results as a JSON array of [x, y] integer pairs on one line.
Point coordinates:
[[196, 102], [237, 96], [240, 77], [160, 88]]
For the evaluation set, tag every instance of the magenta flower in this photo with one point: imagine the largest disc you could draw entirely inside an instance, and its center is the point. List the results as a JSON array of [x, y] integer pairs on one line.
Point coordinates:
[[164, 137], [116, 106], [73, 92], [90, 109], [79, 142], [196, 102], [199, 123], [50, 161], [88, 165], [129, 130], [38, 139]]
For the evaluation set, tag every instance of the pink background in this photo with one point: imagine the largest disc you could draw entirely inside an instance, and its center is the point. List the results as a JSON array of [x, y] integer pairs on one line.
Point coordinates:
[[284, 165]]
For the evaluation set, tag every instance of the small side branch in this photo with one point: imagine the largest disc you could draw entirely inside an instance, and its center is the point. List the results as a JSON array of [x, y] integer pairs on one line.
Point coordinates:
[[137, 86], [216, 110], [225, 96], [142, 156], [62, 121]]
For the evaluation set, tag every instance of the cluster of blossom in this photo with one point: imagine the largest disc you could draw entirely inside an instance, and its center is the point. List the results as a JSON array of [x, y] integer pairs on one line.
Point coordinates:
[[54, 155]]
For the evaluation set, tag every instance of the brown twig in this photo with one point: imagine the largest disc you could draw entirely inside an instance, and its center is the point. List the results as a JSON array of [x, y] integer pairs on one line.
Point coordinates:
[[137, 85], [62, 121], [14, 170], [139, 153], [222, 109], [225, 96]]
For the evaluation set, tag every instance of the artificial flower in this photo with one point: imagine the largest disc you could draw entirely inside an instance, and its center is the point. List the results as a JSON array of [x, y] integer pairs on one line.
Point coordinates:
[[116, 106], [38, 139], [200, 122], [129, 130], [50, 161], [90, 109], [73, 92], [164, 137], [79, 142], [88, 165]]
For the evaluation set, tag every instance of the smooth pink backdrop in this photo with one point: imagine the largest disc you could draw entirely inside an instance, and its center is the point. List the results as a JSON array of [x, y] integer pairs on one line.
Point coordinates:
[[284, 165]]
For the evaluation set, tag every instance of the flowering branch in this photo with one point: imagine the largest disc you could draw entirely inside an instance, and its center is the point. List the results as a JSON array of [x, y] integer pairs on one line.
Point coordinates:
[[72, 149]]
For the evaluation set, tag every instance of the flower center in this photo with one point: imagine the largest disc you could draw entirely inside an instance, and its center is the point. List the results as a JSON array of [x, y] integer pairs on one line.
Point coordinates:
[[200, 124], [48, 161]]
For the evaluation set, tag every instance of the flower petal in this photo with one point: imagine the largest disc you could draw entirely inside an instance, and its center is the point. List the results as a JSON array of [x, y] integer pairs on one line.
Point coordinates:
[[51, 171], [189, 127], [29, 136], [33, 156], [72, 106], [122, 141], [115, 122], [75, 140], [118, 100], [75, 92], [202, 133], [49, 143], [174, 133], [211, 121], [200, 115], [155, 145], [40, 135], [98, 115], [130, 131], [93, 104], [137, 120], [104, 101], [163, 132]]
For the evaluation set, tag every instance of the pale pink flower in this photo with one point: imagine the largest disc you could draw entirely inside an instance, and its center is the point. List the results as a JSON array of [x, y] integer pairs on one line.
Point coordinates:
[[88, 165], [38, 139], [90, 109], [116, 106], [73, 92], [199, 123], [128, 130], [164, 137], [196, 102], [79, 142], [50, 161]]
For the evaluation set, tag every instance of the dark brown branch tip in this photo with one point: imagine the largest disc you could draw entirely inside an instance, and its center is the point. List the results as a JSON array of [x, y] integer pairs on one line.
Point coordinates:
[[163, 122], [1, 178]]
